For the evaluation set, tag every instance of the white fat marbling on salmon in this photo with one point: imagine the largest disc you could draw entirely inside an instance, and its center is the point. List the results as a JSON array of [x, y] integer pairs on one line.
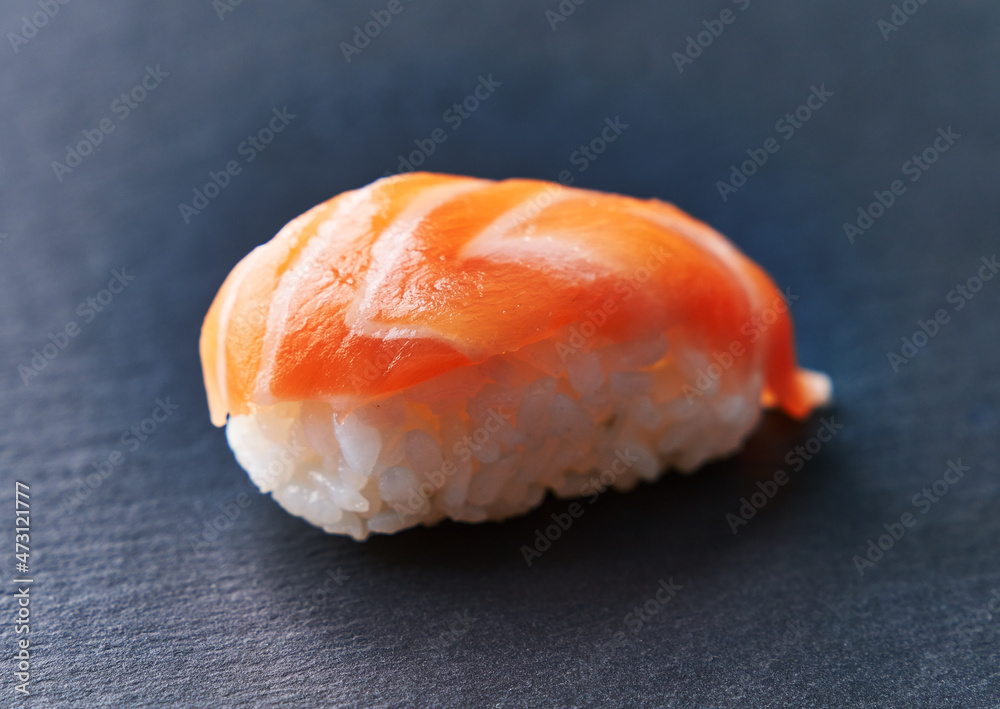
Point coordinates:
[[496, 242], [387, 258], [353, 206], [711, 241]]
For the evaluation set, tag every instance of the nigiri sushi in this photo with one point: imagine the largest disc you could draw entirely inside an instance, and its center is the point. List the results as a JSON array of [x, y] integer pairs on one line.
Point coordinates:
[[433, 346]]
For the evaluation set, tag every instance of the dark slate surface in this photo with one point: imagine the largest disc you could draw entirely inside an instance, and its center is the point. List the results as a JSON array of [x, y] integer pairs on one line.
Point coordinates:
[[128, 611]]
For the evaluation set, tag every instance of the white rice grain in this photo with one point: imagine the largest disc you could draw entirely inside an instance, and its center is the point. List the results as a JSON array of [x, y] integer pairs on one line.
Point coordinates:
[[498, 436]]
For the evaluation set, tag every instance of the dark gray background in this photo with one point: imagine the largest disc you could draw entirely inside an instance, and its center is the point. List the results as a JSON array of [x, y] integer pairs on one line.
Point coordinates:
[[127, 612]]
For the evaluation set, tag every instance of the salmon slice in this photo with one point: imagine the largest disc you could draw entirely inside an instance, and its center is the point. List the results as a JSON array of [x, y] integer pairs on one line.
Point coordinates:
[[385, 287]]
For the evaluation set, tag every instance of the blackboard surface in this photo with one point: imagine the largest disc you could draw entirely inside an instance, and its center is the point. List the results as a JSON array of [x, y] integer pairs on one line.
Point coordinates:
[[169, 581]]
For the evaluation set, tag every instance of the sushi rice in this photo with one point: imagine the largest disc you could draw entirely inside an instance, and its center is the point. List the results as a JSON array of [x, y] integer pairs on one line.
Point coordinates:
[[487, 442]]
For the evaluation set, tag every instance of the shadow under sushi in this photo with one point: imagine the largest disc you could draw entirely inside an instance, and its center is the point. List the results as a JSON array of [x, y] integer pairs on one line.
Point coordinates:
[[676, 510], [462, 593], [694, 517]]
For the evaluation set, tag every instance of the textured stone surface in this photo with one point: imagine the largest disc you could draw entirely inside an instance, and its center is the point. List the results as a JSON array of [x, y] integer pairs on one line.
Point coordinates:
[[130, 610]]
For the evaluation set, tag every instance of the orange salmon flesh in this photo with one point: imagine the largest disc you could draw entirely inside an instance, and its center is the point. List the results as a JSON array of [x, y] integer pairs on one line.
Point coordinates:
[[385, 287]]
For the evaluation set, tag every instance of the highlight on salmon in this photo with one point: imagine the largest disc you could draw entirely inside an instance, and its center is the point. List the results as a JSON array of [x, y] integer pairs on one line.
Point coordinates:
[[434, 346]]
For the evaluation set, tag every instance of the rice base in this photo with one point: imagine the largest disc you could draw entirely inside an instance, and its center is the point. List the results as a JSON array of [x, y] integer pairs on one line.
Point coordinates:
[[487, 441]]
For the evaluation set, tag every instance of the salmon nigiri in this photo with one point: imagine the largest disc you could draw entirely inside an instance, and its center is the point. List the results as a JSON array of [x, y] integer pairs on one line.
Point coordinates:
[[433, 346]]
